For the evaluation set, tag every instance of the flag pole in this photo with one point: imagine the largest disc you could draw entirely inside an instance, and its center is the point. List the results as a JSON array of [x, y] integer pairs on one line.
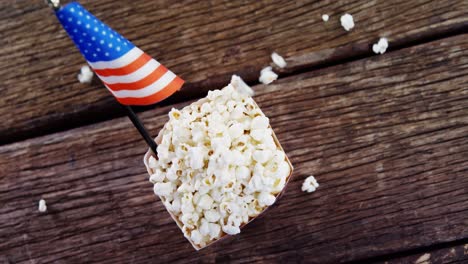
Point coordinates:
[[55, 4]]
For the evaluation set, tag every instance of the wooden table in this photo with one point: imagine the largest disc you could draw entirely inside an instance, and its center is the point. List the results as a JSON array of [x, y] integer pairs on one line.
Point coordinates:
[[385, 135]]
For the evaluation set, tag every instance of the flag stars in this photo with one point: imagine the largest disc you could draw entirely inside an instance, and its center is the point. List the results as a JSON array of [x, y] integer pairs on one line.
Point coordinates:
[[103, 32], [85, 51], [111, 35], [102, 42], [88, 17], [75, 30], [98, 49], [93, 38], [118, 48], [110, 45], [94, 55], [80, 13], [79, 22], [107, 54], [88, 25], [72, 10], [70, 19], [96, 29]]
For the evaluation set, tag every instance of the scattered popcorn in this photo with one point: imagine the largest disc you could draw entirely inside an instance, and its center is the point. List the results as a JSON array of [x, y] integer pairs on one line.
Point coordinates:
[[347, 22], [278, 60], [85, 75], [325, 17], [381, 46], [42, 206], [310, 184], [218, 164], [267, 75]]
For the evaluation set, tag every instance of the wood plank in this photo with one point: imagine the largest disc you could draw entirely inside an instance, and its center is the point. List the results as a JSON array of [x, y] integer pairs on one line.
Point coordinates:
[[384, 136], [203, 41], [452, 254]]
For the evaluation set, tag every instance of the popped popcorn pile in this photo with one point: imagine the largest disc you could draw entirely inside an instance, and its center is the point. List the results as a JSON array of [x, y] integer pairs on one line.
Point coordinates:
[[218, 165]]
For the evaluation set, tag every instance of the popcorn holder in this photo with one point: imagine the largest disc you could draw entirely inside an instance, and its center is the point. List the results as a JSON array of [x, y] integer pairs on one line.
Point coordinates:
[[158, 140]]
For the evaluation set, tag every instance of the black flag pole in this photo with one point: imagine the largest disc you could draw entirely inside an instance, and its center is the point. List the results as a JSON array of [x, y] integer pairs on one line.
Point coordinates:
[[55, 4]]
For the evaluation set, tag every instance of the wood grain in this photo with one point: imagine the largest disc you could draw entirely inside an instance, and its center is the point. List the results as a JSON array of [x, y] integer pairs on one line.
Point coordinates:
[[454, 254], [386, 137], [203, 41]]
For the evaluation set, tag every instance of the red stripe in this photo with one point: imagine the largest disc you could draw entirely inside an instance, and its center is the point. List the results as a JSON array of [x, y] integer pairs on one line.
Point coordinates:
[[171, 88], [148, 80], [133, 66]]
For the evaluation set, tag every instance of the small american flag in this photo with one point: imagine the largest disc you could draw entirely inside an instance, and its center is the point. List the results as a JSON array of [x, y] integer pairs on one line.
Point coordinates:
[[131, 75]]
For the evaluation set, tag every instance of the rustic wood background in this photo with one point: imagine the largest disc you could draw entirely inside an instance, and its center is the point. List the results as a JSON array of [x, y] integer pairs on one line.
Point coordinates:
[[386, 136]]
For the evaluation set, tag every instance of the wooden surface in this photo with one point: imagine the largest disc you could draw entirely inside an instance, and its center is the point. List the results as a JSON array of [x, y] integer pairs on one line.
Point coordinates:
[[385, 136], [203, 41]]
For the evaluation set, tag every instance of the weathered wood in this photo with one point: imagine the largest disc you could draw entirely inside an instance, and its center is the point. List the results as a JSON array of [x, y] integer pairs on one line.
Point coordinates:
[[203, 41], [453, 254], [386, 137]]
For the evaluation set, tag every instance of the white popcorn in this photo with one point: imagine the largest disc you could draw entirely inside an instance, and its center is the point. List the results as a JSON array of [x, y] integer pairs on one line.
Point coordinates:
[[347, 22], [241, 86], [231, 230], [196, 236], [236, 130], [278, 60], [310, 184], [218, 164], [205, 202], [212, 216], [325, 17], [215, 229], [381, 46], [261, 156], [195, 157], [42, 206], [157, 176], [85, 75], [163, 188], [265, 198], [267, 75], [259, 122]]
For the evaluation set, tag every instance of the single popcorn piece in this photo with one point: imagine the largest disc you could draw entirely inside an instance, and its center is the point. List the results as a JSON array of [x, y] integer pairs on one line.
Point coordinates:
[[310, 184], [42, 206], [381, 46], [347, 22], [218, 164], [278, 60], [267, 75], [241, 86], [85, 75], [325, 17]]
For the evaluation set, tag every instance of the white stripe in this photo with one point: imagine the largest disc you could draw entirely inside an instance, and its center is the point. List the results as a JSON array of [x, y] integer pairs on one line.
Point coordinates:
[[148, 90], [123, 61], [135, 76]]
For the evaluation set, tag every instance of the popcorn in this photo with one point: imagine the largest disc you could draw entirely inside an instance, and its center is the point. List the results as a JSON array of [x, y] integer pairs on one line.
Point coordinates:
[[218, 164], [163, 188], [85, 75], [265, 198], [325, 17], [267, 75], [42, 206], [241, 86], [347, 22], [381, 46], [278, 60], [310, 184]]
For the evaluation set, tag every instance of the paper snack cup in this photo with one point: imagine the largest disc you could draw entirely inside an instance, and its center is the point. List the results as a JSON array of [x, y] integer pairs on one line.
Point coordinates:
[[158, 140]]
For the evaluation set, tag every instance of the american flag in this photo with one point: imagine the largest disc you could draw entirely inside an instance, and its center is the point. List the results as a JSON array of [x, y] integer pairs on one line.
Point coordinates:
[[131, 75]]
